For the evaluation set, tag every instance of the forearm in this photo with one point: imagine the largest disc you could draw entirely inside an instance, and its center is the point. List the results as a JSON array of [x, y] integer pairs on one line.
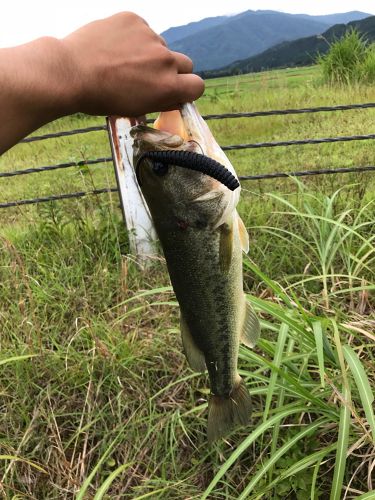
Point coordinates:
[[34, 88], [114, 66]]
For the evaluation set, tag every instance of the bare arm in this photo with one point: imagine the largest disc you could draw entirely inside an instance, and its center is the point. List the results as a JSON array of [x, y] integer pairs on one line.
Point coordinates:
[[115, 66]]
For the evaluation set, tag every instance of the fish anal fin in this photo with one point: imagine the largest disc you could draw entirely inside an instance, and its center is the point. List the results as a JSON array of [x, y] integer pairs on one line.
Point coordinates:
[[244, 235], [226, 246], [194, 355], [251, 326], [227, 413]]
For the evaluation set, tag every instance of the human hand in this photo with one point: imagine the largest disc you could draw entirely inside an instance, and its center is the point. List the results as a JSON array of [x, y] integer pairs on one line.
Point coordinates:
[[115, 66], [120, 66]]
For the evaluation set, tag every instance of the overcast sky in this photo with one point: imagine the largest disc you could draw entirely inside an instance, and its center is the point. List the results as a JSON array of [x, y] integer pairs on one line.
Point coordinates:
[[24, 20]]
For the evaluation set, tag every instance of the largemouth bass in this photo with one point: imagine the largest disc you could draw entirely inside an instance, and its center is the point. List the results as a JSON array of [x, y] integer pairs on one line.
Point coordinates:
[[203, 238]]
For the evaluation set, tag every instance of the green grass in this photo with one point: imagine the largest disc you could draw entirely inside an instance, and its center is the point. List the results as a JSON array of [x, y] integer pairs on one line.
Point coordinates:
[[96, 397], [349, 60]]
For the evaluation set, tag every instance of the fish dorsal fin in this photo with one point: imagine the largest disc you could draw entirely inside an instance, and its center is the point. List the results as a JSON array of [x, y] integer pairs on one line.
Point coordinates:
[[194, 355], [244, 236], [226, 246], [251, 327]]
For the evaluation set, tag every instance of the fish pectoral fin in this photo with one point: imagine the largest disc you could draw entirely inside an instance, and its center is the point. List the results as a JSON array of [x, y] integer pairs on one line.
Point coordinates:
[[226, 246], [194, 355], [244, 235], [213, 194], [251, 326]]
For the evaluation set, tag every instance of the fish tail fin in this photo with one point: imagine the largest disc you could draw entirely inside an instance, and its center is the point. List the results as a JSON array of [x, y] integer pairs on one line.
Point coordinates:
[[227, 412]]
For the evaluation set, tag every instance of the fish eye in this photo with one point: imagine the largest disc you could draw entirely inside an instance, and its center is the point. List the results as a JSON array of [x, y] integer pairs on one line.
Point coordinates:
[[160, 168]]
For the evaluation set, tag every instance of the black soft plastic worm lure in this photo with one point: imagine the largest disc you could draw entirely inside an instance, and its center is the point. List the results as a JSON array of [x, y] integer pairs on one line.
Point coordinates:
[[190, 160]]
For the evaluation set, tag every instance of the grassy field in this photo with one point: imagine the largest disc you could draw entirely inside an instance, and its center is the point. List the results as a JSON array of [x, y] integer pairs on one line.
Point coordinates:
[[96, 397]]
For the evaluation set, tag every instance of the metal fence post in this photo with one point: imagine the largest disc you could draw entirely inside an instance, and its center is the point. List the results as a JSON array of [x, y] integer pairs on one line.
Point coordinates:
[[142, 236]]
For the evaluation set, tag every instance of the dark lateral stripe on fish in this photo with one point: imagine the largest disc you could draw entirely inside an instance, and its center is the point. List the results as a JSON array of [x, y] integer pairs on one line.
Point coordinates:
[[193, 161]]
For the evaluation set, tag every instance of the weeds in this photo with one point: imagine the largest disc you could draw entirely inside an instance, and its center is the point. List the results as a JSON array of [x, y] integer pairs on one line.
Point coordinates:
[[333, 244], [95, 394], [350, 60], [107, 405]]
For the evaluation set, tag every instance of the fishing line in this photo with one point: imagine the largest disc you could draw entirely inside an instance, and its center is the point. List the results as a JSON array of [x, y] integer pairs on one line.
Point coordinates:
[[190, 160]]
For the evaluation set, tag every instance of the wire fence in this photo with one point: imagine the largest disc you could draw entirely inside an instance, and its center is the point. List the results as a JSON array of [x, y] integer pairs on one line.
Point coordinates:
[[223, 116], [55, 197], [46, 168], [233, 147]]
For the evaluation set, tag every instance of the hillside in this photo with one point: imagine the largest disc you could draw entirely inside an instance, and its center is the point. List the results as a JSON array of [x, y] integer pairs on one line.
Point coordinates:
[[177, 33], [217, 41], [301, 52], [245, 34], [342, 18]]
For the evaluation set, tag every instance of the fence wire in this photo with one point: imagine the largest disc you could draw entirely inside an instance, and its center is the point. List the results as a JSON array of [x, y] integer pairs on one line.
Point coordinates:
[[34, 170], [298, 142], [65, 133], [252, 114], [292, 111], [302, 173], [232, 147], [55, 197], [257, 177], [298, 173]]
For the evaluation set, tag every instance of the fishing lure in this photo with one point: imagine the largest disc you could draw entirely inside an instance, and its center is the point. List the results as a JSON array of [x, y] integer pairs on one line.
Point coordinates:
[[193, 161]]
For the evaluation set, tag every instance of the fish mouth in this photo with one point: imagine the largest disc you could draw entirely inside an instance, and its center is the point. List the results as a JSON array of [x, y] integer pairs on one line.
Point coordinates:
[[180, 123], [188, 124], [187, 127], [172, 123]]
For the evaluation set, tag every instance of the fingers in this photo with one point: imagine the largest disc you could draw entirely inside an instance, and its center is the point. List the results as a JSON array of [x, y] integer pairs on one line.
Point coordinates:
[[143, 74], [190, 87], [162, 40], [184, 63], [186, 86]]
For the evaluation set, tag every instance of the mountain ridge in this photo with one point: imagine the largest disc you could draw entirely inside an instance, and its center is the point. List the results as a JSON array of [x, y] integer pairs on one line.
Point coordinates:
[[215, 42], [176, 33], [300, 52]]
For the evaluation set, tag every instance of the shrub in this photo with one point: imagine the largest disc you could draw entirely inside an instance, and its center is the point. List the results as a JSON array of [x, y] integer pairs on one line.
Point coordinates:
[[349, 60], [368, 65]]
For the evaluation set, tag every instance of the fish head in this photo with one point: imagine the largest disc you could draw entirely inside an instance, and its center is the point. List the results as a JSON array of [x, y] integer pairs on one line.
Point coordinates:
[[172, 185]]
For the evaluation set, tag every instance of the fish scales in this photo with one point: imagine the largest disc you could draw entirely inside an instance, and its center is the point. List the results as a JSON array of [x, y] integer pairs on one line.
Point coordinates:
[[202, 238], [210, 300]]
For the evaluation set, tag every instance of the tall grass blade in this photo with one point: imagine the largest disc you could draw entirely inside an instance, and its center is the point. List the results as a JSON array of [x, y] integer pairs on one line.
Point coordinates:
[[370, 495], [313, 491], [271, 283], [280, 403], [152, 494], [304, 463], [293, 381], [318, 334], [154, 291], [14, 359], [279, 313], [264, 427], [14, 458], [81, 494], [363, 385], [342, 447], [277, 362], [280, 452], [107, 483]]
